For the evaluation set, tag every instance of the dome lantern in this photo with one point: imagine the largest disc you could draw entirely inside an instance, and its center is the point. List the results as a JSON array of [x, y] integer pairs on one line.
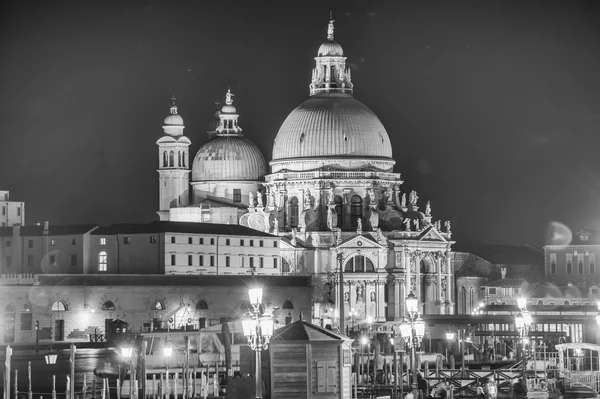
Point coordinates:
[[330, 74], [173, 124]]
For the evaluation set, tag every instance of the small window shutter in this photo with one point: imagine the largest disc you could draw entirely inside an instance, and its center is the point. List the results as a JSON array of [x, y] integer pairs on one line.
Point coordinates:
[[331, 376], [321, 376]]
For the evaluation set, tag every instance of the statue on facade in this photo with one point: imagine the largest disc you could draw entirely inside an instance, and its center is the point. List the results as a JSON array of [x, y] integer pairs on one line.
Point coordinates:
[[371, 195], [293, 236], [250, 199], [347, 297], [428, 209], [229, 97], [332, 218], [359, 293], [359, 226], [275, 225], [413, 198], [272, 199], [307, 199], [448, 227], [331, 196], [259, 198], [372, 296], [407, 224], [403, 203], [438, 225], [330, 30], [416, 224]]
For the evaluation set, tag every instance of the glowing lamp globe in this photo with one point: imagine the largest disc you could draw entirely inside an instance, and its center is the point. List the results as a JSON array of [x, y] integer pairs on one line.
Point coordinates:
[[266, 326], [519, 321], [521, 302], [249, 325], [364, 340], [419, 328], [126, 351], [412, 303], [255, 295], [51, 357], [450, 335], [405, 329], [167, 351]]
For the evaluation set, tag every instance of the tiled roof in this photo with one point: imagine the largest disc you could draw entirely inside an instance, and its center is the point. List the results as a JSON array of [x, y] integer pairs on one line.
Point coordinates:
[[181, 227], [53, 230], [303, 331], [507, 283], [539, 290], [504, 254]]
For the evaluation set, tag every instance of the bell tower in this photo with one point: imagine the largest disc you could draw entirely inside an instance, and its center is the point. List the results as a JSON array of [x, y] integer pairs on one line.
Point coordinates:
[[173, 165]]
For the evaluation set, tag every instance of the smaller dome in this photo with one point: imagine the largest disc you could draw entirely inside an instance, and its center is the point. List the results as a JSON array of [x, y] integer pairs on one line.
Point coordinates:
[[228, 109], [174, 120], [330, 48]]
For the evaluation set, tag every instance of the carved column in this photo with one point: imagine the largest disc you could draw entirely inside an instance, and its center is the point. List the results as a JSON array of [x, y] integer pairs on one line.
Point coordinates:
[[402, 296], [438, 258], [352, 295], [379, 295], [346, 223], [449, 284], [417, 262], [406, 263]]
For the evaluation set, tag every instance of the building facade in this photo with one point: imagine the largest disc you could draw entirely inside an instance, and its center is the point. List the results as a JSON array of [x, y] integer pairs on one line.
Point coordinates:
[[11, 212]]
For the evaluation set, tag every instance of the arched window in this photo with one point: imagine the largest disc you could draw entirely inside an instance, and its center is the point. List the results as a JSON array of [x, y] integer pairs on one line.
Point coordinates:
[[580, 266], [288, 305], [102, 261], [471, 299], [359, 264], [179, 158], [285, 265], [201, 305], [165, 159], [184, 156], [338, 210], [108, 305], [294, 212], [171, 159], [566, 303], [463, 300], [158, 305], [27, 308], [355, 209], [59, 306], [540, 302]]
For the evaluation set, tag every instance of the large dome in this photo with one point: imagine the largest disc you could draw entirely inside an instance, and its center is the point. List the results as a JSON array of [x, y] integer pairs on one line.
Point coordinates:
[[332, 126], [230, 158]]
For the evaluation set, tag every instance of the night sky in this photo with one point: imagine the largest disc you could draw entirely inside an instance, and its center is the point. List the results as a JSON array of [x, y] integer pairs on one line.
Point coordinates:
[[492, 107]]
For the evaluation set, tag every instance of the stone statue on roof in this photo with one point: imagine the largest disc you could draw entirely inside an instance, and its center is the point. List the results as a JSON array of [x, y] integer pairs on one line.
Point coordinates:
[[250, 199], [330, 30], [407, 224], [413, 198], [259, 198], [448, 226], [403, 203], [428, 209], [229, 97]]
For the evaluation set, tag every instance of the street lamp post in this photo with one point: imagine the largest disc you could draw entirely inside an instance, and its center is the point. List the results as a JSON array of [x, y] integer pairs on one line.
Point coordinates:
[[523, 323], [258, 329], [450, 338], [412, 331]]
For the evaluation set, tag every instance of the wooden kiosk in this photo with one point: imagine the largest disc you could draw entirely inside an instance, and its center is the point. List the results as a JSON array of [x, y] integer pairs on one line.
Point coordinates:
[[308, 362]]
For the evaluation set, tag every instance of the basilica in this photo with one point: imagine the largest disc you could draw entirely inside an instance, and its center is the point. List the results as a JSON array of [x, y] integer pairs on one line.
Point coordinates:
[[331, 195]]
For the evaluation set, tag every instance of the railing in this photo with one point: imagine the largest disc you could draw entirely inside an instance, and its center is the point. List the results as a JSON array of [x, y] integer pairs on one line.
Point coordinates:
[[326, 174], [17, 278], [590, 379]]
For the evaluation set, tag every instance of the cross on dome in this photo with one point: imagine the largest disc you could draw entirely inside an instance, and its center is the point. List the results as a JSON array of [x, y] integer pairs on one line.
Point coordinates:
[[174, 105]]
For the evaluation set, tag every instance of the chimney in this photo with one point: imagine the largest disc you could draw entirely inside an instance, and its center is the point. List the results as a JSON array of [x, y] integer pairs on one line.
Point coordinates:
[[503, 272], [46, 227]]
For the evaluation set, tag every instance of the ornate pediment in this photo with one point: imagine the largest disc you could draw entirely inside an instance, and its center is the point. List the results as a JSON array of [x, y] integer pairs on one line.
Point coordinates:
[[361, 241], [431, 234]]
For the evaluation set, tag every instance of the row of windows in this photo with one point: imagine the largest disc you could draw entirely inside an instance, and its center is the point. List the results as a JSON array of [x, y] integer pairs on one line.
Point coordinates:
[[30, 260], [261, 261], [169, 159], [580, 267], [356, 204], [190, 240], [4, 211], [8, 243], [103, 261]]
